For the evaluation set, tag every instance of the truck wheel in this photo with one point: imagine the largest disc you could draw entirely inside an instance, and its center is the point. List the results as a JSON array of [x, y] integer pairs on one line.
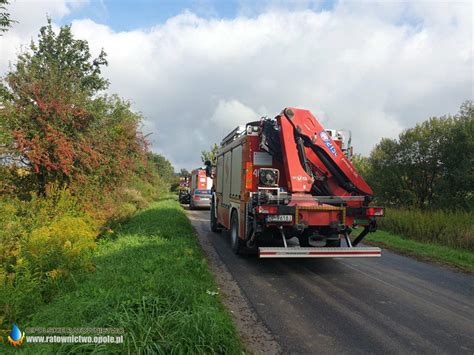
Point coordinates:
[[214, 224], [235, 242]]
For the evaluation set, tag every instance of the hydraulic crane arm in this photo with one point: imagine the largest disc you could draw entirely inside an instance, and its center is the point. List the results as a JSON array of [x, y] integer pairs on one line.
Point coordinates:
[[311, 159]]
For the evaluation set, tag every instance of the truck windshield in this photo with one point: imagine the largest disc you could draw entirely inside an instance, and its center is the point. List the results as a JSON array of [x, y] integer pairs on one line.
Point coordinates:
[[202, 192]]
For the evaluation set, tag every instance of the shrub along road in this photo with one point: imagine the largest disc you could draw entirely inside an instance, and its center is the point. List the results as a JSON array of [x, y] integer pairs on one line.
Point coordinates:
[[389, 305]]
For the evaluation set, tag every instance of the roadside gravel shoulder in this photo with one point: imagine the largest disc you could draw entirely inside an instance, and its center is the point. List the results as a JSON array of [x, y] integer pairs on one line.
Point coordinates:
[[254, 334]]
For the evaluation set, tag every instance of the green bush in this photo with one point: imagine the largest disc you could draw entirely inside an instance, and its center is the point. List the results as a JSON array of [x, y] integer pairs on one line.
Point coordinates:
[[122, 212], [11, 231], [45, 242], [18, 220], [60, 249], [452, 229], [150, 188], [20, 295], [135, 197]]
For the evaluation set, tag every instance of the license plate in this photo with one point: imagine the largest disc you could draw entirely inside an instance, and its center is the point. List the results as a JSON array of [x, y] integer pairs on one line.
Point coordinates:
[[279, 218]]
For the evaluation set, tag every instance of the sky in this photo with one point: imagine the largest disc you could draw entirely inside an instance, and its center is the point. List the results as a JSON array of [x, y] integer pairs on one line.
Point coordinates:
[[197, 69]]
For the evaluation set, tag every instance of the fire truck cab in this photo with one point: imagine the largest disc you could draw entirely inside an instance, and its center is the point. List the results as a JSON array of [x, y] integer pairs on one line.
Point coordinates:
[[287, 179]]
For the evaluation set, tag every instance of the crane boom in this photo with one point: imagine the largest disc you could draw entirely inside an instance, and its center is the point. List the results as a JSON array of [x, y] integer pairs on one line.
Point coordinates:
[[313, 161]]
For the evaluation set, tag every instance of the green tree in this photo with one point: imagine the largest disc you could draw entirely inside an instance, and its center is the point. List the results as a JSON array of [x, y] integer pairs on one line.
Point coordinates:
[[5, 20], [429, 166], [405, 171], [57, 123], [421, 158], [163, 166], [385, 176], [456, 188], [184, 173], [210, 155], [362, 165]]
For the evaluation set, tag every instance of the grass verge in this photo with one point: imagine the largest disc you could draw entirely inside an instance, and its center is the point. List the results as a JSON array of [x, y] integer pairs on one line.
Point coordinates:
[[152, 280], [453, 229], [458, 258]]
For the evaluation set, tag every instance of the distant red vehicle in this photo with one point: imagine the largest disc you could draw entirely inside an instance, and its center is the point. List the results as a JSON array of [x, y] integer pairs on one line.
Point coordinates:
[[200, 189], [184, 182]]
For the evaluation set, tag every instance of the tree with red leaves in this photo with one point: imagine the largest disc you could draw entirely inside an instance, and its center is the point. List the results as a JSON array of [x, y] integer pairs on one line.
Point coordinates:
[[57, 123]]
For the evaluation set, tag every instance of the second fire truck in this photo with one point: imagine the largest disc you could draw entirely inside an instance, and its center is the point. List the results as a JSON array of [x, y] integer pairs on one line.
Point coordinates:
[[200, 189]]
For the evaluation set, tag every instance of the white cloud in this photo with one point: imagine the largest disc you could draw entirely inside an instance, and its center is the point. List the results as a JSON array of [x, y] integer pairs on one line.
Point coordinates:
[[29, 16], [230, 114], [373, 69]]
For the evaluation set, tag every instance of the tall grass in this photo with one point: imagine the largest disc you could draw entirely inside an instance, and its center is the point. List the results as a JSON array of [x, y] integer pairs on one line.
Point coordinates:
[[151, 280], [452, 229], [47, 242]]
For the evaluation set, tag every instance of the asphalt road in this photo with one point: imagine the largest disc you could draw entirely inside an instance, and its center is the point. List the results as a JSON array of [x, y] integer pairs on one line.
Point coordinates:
[[392, 304]]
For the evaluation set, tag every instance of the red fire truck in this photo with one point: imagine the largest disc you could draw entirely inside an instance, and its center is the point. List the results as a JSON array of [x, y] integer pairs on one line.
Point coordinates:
[[200, 192], [277, 179]]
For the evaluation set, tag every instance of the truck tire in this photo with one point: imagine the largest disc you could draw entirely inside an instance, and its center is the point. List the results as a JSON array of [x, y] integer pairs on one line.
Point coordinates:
[[236, 243], [213, 218]]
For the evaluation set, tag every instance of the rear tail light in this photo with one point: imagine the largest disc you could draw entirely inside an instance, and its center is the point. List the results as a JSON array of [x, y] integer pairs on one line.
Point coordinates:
[[375, 212], [196, 198], [267, 209], [248, 175]]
